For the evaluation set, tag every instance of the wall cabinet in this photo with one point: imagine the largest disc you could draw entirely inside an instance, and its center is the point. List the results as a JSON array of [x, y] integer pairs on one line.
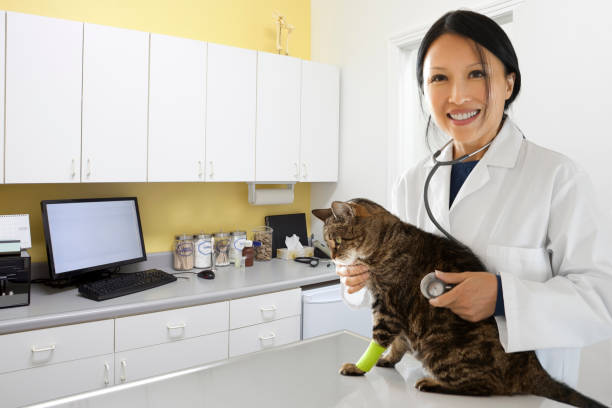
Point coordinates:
[[115, 97], [319, 122], [230, 118], [43, 95], [278, 118], [177, 108]]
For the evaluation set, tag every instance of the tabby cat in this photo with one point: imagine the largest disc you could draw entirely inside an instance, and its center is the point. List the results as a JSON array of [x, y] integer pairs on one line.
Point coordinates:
[[462, 357]]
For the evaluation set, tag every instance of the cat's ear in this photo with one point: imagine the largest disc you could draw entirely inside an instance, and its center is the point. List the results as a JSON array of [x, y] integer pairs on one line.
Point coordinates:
[[322, 214], [342, 210], [360, 210]]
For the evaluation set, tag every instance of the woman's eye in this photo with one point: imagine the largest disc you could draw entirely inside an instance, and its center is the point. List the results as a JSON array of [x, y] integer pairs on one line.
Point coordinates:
[[437, 78], [477, 74]]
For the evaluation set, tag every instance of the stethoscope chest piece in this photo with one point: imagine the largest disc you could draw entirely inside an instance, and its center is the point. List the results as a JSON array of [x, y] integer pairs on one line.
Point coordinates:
[[432, 287]]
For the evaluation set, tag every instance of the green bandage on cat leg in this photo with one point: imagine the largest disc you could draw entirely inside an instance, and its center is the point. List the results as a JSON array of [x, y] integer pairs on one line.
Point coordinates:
[[370, 357]]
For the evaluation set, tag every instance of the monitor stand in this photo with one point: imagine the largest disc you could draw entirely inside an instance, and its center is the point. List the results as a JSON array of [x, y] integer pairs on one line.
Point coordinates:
[[79, 279]]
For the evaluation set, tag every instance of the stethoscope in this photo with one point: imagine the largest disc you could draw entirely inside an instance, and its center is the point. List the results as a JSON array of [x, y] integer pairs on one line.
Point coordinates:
[[431, 286]]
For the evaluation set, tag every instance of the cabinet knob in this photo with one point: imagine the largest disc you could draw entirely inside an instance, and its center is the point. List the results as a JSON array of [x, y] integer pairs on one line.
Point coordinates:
[[297, 171], [200, 169], [304, 175], [88, 168], [106, 374], [212, 170], [269, 337], [123, 371], [38, 350], [73, 169]]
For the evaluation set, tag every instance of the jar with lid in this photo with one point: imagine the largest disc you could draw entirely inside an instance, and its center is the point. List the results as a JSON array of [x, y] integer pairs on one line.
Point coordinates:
[[203, 250], [248, 253], [221, 248], [183, 254], [236, 245], [263, 234]]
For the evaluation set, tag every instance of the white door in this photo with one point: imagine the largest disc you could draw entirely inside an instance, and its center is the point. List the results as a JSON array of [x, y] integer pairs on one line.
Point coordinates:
[[278, 118], [2, 59], [115, 92], [320, 109], [230, 125], [43, 99], [177, 109]]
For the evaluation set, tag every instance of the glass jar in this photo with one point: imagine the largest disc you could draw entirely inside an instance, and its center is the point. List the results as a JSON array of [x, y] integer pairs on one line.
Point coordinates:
[[264, 235], [183, 254], [203, 250], [237, 243], [221, 248]]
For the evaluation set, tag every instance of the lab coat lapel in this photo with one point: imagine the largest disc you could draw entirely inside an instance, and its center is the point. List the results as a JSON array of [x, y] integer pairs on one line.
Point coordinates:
[[503, 152]]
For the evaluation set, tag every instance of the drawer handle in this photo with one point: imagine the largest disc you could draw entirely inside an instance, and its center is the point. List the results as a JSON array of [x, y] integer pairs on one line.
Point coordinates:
[[106, 374], [176, 326], [37, 350], [271, 336], [123, 370], [271, 308]]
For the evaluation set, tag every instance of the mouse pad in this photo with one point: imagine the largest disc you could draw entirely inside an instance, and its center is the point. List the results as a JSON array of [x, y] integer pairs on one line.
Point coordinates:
[[285, 226]]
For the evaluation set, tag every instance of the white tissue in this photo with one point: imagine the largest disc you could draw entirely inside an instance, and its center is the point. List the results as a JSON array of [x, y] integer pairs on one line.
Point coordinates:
[[293, 243]]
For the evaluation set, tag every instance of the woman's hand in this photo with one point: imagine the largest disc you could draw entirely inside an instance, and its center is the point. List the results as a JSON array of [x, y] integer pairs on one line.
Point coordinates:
[[474, 297], [356, 276]]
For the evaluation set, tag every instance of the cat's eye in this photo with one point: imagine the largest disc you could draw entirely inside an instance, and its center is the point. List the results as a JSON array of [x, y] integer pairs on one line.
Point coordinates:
[[338, 241]]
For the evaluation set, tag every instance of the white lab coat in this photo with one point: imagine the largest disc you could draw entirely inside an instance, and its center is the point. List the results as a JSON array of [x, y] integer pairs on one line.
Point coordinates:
[[531, 216]]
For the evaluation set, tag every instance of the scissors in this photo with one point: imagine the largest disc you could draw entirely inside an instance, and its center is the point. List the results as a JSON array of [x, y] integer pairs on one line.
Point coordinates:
[[311, 260]]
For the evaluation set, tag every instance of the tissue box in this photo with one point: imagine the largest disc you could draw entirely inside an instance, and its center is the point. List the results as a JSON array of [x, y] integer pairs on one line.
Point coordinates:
[[284, 253]]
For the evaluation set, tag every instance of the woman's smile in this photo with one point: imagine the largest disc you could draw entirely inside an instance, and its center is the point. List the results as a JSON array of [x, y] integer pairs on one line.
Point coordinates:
[[463, 117]]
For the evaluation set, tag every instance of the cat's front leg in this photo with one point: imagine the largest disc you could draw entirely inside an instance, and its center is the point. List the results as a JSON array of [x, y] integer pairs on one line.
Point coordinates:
[[398, 348]]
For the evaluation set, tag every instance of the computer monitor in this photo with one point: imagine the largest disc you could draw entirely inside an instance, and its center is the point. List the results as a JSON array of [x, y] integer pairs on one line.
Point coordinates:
[[85, 235]]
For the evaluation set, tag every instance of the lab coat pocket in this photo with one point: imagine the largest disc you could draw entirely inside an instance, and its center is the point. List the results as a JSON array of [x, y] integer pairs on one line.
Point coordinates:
[[526, 263]]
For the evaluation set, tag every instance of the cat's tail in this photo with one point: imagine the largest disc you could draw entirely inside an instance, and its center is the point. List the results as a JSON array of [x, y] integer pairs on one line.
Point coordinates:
[[546, 386]]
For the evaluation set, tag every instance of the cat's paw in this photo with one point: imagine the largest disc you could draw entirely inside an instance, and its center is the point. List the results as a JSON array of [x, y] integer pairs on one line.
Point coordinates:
[[350, 369], [427, 384], [383, 362]]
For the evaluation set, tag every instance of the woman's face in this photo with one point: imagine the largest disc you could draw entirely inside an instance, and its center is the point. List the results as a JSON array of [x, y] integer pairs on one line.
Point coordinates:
[[456, 90]]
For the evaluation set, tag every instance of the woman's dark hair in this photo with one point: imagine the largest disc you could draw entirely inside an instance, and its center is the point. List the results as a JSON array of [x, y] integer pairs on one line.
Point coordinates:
[[485, 33]]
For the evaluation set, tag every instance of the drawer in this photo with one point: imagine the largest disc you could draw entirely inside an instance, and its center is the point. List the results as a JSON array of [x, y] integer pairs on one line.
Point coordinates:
[[265, 335], [39, 384], [171, 325], [164, 358], [264, 308], [55, 345]]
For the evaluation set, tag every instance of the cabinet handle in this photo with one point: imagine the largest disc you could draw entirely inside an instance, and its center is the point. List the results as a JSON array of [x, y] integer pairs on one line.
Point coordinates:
[[123, 371], [271, 308], [73, 168], [200, 169], [297, 171], [37, 350], [271, 336], [88, 168], [212, 170], [106, 374], [304, 172], [177, 326]]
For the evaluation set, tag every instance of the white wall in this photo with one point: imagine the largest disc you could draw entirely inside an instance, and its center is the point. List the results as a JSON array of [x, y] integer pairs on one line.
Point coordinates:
[[565, 55]]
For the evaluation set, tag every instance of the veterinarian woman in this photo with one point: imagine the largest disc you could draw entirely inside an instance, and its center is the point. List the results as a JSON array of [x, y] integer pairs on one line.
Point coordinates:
[[529, 213]]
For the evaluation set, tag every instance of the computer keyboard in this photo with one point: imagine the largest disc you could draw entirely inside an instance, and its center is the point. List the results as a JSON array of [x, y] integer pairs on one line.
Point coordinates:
[[124, 284]]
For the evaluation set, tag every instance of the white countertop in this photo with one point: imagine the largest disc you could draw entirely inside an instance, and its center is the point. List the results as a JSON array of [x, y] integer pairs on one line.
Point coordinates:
[[52, 307], [303, 374]]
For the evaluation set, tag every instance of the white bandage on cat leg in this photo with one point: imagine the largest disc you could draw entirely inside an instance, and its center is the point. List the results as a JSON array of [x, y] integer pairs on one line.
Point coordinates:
[[370, 357]]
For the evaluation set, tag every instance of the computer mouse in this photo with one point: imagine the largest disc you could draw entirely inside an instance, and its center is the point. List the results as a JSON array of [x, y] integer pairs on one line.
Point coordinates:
[[207, 274]]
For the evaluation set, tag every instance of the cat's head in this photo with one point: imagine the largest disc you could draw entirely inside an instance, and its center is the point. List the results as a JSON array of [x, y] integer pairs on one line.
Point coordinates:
[[350, 229]]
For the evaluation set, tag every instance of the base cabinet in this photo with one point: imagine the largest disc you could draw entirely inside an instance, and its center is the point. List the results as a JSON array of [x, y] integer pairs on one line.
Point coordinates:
[[164, 358], [44, 383]]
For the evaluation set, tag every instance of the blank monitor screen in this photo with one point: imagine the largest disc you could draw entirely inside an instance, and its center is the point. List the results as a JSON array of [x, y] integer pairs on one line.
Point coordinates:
[[90, 234]]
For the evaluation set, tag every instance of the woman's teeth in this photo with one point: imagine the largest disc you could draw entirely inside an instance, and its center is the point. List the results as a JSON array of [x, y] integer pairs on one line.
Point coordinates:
[[463, 116]]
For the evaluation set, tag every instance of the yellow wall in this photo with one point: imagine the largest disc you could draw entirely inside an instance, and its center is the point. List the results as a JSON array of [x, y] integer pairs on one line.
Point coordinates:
[[167, 209]]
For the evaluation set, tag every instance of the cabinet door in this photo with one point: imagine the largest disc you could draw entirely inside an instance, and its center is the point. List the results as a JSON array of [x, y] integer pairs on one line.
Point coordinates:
[[177, 99], [115, 93], [164, 358], [43, 91], [34, 385], [2, 66], [319, 122], [278, 118], [230, 119], [266, 335]]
